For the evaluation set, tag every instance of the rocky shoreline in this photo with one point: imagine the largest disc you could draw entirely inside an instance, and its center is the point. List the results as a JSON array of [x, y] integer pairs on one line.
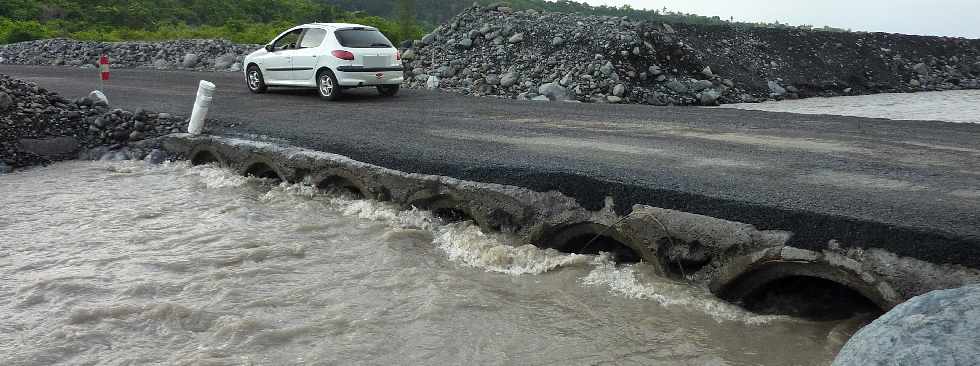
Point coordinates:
[[38, 126], [496, 51]]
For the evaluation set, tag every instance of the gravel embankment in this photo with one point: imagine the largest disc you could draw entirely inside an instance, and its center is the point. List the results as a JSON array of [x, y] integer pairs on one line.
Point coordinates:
[[38, 126], [191, 54], [555, 56]]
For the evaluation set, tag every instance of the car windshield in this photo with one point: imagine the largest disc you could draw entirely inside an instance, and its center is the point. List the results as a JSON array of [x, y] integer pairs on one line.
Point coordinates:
[[362, 38]]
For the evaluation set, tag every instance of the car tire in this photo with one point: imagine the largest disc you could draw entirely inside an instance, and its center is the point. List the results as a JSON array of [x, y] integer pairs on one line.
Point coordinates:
[[388, 90], [255, 81], [326, 85]]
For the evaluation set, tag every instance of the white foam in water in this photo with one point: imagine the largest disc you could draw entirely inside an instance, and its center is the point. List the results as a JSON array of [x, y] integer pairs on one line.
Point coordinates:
[[232, 270], [623, 280], [465, 243]]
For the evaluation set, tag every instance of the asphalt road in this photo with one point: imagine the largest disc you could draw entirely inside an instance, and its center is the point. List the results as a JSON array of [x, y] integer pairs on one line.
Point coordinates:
[[912, 187]]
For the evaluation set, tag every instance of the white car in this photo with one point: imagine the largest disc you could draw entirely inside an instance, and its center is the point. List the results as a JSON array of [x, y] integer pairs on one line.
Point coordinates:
[[329, 57]]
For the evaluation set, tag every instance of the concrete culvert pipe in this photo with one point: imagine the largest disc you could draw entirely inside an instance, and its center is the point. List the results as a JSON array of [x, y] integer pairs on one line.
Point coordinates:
[[804, 290], [589, 238], [445, 208], [337, 184], [204, 157], [262, 170]]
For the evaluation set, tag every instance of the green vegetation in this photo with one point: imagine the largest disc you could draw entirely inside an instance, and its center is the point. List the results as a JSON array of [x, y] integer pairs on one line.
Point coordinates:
[[243, 21], [257, 21]]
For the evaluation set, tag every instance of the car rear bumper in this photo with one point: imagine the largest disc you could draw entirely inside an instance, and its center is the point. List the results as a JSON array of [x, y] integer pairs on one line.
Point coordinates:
[[366, 76]]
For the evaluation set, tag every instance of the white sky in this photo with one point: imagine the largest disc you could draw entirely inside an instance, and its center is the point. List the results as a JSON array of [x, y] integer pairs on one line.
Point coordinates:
[[959, 18]]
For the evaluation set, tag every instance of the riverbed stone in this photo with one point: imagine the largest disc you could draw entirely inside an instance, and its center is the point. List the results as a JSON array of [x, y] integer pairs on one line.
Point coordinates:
[[939, 328]]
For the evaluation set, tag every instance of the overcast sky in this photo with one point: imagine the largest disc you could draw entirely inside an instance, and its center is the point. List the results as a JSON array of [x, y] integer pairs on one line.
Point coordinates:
[[937, 17]]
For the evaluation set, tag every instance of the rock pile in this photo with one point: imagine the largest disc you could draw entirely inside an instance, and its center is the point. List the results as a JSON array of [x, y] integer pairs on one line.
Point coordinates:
[[38, 126], [496, 51], [206, 54]]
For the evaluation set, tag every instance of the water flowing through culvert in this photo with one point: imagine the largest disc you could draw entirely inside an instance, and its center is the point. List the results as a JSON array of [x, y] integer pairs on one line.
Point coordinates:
[[120, 263]]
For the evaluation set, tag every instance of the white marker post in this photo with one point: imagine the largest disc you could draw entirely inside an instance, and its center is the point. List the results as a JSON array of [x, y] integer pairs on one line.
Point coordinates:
[[205, 92]]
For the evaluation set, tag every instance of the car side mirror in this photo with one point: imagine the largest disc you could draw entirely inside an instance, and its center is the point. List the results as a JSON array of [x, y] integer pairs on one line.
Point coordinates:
[[269, 48]]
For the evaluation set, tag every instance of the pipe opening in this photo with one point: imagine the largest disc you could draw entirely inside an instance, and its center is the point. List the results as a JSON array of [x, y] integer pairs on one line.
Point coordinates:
[[264, 171], [340, 185], [204, 157], [809, 298], [808, 290], [593, 239], [445, 208]]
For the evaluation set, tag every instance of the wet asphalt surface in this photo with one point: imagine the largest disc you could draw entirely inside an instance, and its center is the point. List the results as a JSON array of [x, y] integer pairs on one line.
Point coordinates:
[[912, 187]]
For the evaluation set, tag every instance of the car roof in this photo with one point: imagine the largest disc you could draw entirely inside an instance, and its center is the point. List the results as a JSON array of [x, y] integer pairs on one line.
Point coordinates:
[[339, 25]]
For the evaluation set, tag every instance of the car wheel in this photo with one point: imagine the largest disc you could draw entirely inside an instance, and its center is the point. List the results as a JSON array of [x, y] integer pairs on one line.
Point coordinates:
[[388, 90], [254, 80], [327, 85]]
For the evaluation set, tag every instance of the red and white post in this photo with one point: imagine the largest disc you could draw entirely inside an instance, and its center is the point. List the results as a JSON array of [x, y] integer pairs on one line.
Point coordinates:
[[104, 70]]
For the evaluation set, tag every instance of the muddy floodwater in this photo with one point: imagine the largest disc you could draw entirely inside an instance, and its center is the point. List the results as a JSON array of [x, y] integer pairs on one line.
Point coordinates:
[[961, 106], [123, 264]]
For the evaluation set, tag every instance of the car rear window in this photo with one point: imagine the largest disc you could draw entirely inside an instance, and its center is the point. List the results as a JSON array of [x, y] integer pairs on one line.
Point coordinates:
[[362, 38]]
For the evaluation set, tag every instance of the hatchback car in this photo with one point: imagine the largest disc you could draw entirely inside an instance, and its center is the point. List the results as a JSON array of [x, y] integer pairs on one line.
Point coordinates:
[[330, 57]]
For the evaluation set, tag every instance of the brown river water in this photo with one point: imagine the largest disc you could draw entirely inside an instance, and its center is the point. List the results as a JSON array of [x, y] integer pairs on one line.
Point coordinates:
[[118, 263]]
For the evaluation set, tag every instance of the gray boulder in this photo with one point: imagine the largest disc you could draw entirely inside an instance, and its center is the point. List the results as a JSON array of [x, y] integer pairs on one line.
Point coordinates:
[[466, 43], [700, 85], [709, 97], [508, 80], [921, 69], [607, 69], [6, 101], [677, 87], [190, 60], [553, 92], [408, 55], [98, 98], [557, 41], [155, 157], [428, 39], [492, 79], [619, 90], [776, 89], [940, 328], [55, 148], [225, 61], [161, 64], [517, 38]]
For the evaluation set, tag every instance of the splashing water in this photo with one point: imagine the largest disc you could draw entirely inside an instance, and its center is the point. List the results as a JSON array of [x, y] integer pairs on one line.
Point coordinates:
[[120, 263]]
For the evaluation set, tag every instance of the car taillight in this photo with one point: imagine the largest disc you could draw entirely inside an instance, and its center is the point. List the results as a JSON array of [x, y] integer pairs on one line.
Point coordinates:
[[398, 55], [343, 55]]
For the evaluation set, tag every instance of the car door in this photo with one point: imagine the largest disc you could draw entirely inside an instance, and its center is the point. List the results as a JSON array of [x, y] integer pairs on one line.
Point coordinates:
[[278, 64], [307, 55]]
